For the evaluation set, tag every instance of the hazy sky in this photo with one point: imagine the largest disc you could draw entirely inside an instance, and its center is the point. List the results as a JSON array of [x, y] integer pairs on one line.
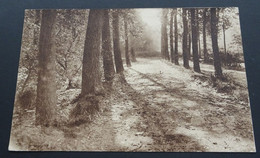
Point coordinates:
[[152, 19]]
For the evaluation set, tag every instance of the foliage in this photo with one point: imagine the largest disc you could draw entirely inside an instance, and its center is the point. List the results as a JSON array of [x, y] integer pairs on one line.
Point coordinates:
[[71, 28]]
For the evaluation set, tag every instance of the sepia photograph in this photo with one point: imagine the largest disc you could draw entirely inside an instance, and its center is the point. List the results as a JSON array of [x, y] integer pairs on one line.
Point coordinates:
[[132, 80]]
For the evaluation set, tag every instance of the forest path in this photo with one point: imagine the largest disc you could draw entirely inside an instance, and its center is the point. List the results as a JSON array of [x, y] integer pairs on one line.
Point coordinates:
[[165, 109]]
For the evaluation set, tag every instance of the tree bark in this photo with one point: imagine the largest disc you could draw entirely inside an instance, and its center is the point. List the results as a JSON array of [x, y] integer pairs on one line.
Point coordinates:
[[91, 74], [108, 63], [127, 58], [171, 37], [224, 40], [184, 40], [205, 51], [116, 44], [198, 30], [189, 45], [194, 29], [164, 36], [133, 54], [46, 87], [214, 38], [176, 54]]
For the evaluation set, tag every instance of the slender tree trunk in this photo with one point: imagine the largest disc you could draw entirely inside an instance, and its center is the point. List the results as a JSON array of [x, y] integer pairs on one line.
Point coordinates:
[[214, 38], [108, 63], [199, 45], [184, 40], [171, 37], [46, 87], [224, 40], [164, 36], [167, 55], [198, 31], [176, 53], [127, 58], [205, 51], [133, 54], [116, 44], [189, 46], [91, 74], [196, 65]]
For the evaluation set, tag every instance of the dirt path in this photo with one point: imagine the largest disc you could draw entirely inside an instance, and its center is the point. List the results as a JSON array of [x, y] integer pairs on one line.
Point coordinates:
[[165, 109], [160, 107]]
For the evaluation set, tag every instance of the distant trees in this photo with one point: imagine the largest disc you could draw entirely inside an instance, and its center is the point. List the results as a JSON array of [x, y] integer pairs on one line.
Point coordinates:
[[171, 36], [176, 53], [174, 37], [46, 87], [204, 35], [197, 22], [127, 56], [164, 36]]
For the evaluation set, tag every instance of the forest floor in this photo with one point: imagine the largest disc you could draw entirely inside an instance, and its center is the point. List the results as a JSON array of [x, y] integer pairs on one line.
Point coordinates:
[[160, 107]]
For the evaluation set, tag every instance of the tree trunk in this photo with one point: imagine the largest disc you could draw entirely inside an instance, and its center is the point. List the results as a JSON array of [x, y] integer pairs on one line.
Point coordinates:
[[205, 51], [198, 30], [127, 58], [171, 37], [214, 38], [164, 37], [108, 63], [116, 44], [189, 46], [176, 54], [224, 40], [91, 74], [184, 40], [133, 54], [194, 29], [46, 87]]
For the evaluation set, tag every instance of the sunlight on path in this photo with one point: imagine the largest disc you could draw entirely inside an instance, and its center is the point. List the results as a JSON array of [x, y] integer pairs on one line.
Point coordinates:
[[200, 112]]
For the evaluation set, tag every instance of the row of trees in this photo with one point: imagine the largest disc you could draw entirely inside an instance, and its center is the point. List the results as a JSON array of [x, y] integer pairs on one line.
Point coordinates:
[[101, 50], [194, 23]]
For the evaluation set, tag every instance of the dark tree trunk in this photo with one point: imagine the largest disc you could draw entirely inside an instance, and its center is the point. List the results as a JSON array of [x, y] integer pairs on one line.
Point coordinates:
[[133, 54], [198, 30], [196, 65], [205, 51], [46, 87], [91, 74], [214, 38], [176, 53], [164, 36], [184, 40], [224, 40], [116, 44], [127, 58], [108, 63], [189, 46], [171, 37]]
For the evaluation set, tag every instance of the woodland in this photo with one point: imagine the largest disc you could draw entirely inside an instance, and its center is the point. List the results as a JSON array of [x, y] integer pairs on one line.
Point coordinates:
[[106, 80]]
